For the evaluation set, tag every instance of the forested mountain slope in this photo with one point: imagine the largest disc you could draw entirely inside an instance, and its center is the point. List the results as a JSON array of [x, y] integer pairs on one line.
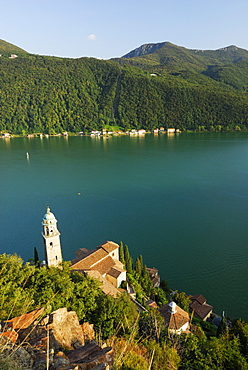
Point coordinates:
[[170, 86], [6, 49]]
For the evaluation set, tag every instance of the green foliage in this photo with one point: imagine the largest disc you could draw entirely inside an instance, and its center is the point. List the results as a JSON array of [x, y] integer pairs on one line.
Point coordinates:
[[121, 253], [24, 287], [208, 328], [14, 277], [113, 315], [128, 260], [222, 328], [240, 329], [40, 94], [182, 300], [8, 363], [159, 296], [141, 342], [138, 265], [163, 355], [6, 49], [36, 256], [151, 325], [164, 285]]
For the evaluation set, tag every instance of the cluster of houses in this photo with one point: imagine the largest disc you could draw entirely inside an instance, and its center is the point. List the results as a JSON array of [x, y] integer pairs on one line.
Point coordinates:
[[105, 133], [133, 132], [103, 264]]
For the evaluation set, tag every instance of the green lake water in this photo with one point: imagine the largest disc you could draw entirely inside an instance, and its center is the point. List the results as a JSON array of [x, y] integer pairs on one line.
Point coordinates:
[[181, 201]]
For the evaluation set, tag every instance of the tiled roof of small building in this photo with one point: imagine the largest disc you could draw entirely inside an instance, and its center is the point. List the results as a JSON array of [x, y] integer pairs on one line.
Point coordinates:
[[115, 272], [108, 246], [174, 321], [201, 310], [199, 298], [152, 270], [105, 285], [151, 303]]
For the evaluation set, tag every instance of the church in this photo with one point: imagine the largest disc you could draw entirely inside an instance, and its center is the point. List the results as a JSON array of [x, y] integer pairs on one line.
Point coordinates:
[[101, 263]]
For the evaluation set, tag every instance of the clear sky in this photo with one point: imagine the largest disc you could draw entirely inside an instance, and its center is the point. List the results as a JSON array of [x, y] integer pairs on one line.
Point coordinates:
[[111, 28]]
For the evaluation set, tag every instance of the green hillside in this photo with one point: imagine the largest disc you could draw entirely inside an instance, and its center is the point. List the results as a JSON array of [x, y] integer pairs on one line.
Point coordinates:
[[6, 49], [166, 85]]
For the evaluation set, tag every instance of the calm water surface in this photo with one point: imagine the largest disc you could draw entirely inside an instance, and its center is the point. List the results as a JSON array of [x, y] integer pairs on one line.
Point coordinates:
[[180, 201]]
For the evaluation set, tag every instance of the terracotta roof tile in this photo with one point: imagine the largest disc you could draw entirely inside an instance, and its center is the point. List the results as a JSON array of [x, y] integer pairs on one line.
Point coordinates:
[[86, 263], [104, 266], [105, 286], [151, 303], [201, 310], [115, 272], [199, 298], [108, 246], [152, 270], [174, 321]]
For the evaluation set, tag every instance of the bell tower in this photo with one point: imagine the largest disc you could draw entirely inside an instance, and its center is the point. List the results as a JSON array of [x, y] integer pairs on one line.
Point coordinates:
[[51, 237]]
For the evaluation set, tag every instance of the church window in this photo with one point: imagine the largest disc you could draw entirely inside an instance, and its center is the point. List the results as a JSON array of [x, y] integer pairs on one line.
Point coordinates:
[[51, 243]]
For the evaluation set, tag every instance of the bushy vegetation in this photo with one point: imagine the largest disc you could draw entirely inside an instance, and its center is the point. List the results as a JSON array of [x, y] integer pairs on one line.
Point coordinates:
[[140, 341], [25, 287]]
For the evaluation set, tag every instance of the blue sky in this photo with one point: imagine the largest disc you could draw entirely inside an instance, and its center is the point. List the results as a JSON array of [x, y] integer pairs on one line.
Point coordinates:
[[111, 28]]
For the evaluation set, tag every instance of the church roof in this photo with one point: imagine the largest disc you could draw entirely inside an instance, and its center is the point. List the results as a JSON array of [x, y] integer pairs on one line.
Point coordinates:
[[108, 246], [105, 285], [115, 272], [98, 259], [89, 260], [104, 266]]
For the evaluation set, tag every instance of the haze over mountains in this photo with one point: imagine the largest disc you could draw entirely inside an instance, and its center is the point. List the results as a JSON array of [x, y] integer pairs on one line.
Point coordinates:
[[154, 85]]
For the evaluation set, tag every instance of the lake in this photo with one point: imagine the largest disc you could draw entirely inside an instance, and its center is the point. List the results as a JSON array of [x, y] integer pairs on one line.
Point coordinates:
[[179, 200]]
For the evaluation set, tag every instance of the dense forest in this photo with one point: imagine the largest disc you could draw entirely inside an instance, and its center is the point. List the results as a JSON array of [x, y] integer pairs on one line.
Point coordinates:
[[140, 341], [169, 86]]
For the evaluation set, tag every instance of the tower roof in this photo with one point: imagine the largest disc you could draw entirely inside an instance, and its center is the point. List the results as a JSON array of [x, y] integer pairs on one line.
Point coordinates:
[[48, 217]]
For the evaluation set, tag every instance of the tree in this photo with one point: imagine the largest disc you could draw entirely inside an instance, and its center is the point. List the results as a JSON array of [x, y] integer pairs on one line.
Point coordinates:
[[182, 300], [128, 260], [14, 278], [159, 296], [240, 329], [138, 266], [121, 253], [36, 257], [151, 325]]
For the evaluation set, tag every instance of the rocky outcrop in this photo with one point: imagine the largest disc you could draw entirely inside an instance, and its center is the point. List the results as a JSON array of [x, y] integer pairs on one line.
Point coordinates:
[[91, 354], [144, 50], [64, 329], [58, 340]]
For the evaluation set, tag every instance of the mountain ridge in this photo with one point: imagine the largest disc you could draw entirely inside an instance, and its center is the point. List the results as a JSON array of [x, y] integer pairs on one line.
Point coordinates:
[[6, 48], [158, 51], [169, 86]]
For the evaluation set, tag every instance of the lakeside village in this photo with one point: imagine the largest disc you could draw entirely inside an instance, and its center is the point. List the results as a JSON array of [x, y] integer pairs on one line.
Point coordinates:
[[61, 328], [103, 133]]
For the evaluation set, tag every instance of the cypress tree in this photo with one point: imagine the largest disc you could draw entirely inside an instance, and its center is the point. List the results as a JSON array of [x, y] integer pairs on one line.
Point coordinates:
[[138, 266], [121, 253], [128, 260], [36, 256]]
